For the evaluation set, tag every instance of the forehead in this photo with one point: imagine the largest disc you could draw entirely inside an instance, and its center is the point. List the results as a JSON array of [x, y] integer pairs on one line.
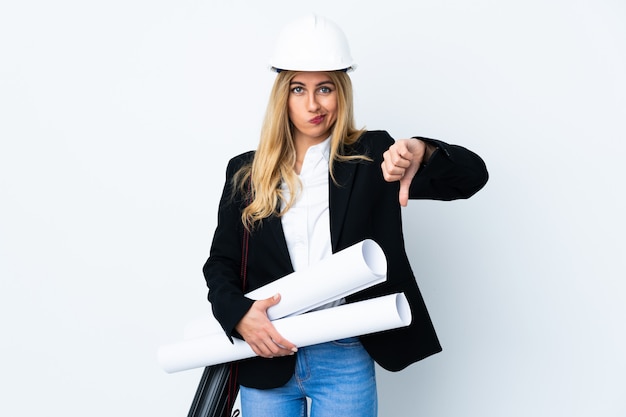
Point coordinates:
[[311, 78]]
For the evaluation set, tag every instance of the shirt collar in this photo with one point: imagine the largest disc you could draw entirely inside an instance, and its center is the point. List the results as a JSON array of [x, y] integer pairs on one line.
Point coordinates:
[[324, 148], [316, 157]]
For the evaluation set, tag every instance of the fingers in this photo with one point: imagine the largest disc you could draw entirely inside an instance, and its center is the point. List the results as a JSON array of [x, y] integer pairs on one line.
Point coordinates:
[[395, 161], [272, 347], [403, 195], [401, 162], [269, 343], [259, 332]]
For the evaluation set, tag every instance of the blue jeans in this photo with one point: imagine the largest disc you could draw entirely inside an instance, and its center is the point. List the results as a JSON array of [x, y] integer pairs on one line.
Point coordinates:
[[338, 377]]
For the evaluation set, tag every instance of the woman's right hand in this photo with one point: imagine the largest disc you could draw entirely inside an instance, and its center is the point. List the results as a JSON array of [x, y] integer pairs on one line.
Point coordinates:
[[259, 332]]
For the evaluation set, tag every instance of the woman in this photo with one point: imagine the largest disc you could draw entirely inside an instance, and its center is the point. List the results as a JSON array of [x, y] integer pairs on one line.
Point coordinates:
[[314, 186]]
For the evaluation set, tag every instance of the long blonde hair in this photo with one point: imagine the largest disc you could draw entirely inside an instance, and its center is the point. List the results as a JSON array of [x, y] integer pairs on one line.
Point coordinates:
[[276, 155]]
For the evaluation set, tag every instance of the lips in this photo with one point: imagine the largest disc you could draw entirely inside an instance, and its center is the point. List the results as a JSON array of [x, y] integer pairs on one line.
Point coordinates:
[[318, 119]]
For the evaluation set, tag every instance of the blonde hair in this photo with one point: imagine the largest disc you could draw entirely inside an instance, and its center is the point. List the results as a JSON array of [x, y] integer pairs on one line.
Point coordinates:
[[276, 155]]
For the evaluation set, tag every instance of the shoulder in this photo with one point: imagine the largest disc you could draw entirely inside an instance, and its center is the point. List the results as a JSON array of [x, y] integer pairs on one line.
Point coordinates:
[[242, 158], [376, 137], [373, 143], [239, 161]]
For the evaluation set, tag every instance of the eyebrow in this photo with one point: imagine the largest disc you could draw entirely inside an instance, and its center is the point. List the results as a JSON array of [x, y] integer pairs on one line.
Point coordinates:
[[317, 85]]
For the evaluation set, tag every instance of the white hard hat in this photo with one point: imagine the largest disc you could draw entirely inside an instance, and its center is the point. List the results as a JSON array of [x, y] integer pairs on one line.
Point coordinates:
[[312, 43]]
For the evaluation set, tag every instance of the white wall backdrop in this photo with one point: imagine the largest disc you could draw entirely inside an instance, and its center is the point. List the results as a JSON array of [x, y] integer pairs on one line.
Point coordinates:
[[117, 119]]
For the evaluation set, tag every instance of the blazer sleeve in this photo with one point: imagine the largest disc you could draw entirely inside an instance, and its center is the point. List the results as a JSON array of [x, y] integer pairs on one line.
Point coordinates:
[[453, 172], [222, 268]]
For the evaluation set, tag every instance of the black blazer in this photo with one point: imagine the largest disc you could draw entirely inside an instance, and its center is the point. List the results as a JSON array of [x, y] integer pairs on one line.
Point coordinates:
[[362, 206]]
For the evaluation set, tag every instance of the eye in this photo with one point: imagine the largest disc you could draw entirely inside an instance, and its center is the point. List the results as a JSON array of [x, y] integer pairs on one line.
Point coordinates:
[[325, 90], [297, 90]]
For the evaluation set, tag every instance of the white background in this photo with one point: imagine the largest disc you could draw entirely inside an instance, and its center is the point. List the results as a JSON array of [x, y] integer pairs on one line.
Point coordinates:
[[117, 120]]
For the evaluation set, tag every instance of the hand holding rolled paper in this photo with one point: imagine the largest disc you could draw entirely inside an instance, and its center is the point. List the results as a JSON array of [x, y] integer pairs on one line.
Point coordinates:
[[348, 320], [346, 272], [259, 332]]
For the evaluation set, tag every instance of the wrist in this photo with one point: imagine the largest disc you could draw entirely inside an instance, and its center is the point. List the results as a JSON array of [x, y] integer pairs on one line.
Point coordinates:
[[429, 149]]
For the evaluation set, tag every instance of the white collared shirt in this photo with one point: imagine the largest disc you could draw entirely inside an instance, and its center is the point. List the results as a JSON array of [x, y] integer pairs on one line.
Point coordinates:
[[307, 223]]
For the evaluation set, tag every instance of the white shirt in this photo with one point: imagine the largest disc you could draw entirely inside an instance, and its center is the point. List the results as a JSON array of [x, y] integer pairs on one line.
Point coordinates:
[[307, 223]]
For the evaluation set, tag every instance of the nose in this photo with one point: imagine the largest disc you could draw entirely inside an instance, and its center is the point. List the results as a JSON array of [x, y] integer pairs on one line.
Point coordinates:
[[312, 103]]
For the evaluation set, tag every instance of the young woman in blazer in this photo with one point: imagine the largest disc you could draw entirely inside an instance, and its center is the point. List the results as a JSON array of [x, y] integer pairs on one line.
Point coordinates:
[[316, 185]]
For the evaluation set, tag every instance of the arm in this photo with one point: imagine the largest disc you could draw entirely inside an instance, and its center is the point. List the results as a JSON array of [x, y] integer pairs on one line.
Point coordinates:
[[222, 268], [431, 169], [238, 315]]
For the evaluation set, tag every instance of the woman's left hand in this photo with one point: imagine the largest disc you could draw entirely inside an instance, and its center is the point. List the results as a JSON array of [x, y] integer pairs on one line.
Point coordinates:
[[401, 162]]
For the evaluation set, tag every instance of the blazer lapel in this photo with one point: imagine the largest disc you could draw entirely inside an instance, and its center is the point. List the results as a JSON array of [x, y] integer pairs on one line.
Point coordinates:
[[274, 224], [339, 195]]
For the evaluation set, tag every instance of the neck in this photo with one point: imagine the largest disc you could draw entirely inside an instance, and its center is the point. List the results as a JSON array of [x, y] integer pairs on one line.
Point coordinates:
[[302, 144]]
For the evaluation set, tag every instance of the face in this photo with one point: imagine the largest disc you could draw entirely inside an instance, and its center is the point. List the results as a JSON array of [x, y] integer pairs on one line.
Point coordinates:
[[312, 106]]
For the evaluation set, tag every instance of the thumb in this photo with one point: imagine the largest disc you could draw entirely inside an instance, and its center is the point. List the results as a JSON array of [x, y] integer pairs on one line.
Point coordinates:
[[272, 301], [405, 183], [268, 303]]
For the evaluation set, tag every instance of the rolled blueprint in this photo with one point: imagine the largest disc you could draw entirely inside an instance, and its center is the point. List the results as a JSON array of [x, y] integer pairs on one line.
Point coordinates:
[[348, 320], [346, 272]]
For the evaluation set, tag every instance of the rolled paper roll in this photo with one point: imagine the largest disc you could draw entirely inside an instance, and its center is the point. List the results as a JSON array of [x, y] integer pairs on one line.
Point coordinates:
[[346, 272], [348, 320]]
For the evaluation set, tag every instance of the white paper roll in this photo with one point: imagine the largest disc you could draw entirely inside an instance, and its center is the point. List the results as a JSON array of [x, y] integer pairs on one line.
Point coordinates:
[[341, 274], [348, 320], [346, 272]]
